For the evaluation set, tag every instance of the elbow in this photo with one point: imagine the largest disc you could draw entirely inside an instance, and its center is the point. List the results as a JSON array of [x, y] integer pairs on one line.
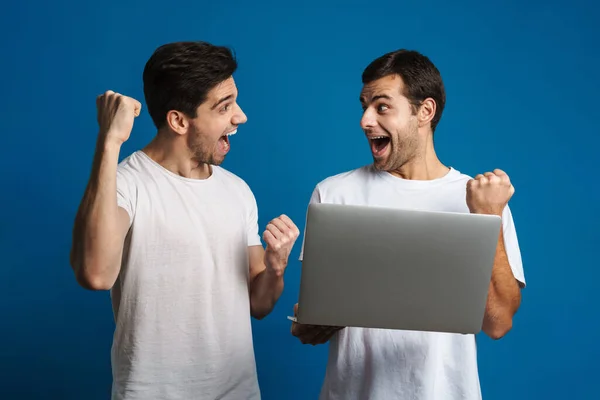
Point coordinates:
[[499, 328], [261, 311], [258, 315], [94, 283], [90, 280]]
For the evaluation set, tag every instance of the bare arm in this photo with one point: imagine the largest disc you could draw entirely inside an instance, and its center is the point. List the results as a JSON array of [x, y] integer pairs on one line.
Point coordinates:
[[504, 296], [489, 193], [100, 225], [265, 285], [267, 266]]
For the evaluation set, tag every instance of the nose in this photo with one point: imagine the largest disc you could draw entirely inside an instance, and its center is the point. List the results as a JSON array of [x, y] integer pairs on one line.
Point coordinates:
[[239, 117], [368, 119]]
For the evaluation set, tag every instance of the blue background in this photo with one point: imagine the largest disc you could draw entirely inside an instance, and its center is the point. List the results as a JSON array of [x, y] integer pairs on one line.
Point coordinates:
[[522, 87]]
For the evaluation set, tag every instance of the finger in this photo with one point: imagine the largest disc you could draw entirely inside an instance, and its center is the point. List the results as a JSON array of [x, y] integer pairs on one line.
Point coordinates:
[[332, 332], [132, 104], [325, 334], [293, 231], [504, 178], [296, 310], [274, 230], [288, 222], [481, 179], [310, 336], [269, 239], [301, 330], [280, 224], [500, 173], [492, 178], [115, 99], [137, 108]]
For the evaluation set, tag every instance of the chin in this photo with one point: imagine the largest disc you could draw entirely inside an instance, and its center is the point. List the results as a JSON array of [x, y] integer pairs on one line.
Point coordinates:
[[381, 164], [218, 161]]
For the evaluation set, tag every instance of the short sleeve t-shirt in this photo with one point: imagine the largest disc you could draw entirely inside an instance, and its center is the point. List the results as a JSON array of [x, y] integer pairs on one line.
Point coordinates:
[[181, 301], [378, 364]]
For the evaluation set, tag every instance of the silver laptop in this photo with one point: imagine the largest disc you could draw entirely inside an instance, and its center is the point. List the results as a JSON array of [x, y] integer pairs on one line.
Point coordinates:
[[390, 268]]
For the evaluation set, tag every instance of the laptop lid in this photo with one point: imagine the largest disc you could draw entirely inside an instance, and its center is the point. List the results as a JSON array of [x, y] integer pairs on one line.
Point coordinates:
[[390, 268]]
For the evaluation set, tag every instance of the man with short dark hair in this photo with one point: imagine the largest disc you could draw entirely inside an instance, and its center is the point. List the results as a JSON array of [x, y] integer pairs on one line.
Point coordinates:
[[403, 98], [174, 236]]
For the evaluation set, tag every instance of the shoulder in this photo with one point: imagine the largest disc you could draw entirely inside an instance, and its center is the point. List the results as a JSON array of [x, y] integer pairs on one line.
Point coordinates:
[[129, 170], [457, 177], [346, 179], [233, 181], [229, 177]]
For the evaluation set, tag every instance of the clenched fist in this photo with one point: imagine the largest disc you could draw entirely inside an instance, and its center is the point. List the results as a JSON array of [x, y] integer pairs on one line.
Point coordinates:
[[489, 193], [280, 236], [116, 114]]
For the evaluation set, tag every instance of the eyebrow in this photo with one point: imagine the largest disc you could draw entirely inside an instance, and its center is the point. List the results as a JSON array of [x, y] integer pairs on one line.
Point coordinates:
[[221, 101], [379, 96]]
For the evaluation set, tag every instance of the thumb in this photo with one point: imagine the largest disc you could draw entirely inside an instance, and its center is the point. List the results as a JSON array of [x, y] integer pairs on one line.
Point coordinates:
[[137, 108]]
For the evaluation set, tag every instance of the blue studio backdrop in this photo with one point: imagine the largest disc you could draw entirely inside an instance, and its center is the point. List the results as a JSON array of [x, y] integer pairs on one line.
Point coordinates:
[[522, 85]]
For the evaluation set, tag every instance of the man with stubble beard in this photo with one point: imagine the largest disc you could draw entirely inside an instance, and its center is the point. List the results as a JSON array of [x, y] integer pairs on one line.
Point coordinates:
[[403, 98], [174, 236]]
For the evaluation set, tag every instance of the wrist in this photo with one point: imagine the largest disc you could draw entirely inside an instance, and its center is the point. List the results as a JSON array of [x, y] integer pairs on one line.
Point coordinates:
[[107, 143], [487, 212], [274, 272]]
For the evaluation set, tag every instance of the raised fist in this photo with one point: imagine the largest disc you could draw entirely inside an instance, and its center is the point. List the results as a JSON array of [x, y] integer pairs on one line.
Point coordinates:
[[280, 236], [116, 114], [489, 193]]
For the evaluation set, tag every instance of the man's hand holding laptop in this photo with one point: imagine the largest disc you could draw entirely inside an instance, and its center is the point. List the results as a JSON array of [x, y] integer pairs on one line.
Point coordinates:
[[312, 334]]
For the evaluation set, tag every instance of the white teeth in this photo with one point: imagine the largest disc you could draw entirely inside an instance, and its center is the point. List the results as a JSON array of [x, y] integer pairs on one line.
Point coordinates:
[[378, 137], [232, 133]]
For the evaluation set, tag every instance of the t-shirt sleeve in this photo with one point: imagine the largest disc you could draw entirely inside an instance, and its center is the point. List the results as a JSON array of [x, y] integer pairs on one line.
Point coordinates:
[[314, 198], [511, 244], [126, 194], [252, 220]]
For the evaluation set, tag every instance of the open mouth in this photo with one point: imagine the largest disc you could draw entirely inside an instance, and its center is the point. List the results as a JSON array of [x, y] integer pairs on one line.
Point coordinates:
[[379, 145], [224, 144]]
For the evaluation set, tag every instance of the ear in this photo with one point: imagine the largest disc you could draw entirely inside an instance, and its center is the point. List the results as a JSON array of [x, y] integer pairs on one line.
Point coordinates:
[[426, 112], [178, 122]]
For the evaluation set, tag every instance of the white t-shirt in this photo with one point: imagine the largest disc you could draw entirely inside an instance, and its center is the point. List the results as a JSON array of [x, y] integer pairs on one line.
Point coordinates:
[[379, 364], [181, 302]]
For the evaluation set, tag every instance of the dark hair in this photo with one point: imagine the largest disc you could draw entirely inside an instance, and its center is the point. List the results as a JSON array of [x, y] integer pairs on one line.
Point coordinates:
[[421, 78], [178, 76]]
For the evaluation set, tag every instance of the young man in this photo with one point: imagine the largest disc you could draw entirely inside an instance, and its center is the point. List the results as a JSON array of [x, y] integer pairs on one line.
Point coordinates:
[[174, 236], [403, 98]]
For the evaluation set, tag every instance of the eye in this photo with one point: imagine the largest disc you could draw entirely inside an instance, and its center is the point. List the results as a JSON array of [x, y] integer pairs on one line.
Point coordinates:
[[382, 108], [226, 107]]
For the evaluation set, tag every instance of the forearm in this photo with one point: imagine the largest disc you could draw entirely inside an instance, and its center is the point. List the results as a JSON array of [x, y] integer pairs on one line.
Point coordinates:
[[97, 242], [504, 295], [265, 290]]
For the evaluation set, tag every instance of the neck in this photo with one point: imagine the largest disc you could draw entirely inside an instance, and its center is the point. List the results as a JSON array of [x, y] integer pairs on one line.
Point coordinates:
[[425, 165], [173, 154]]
